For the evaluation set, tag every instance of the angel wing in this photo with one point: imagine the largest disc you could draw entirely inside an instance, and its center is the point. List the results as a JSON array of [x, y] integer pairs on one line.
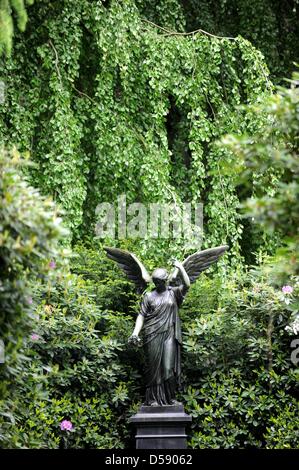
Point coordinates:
[[131, 266], [198, 262]]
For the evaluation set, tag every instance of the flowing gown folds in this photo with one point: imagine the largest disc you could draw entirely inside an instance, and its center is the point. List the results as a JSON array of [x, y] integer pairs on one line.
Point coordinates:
[[162, 343]]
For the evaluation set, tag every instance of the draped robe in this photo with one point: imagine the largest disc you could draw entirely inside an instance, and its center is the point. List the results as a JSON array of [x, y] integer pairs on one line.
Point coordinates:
[[162, 343]]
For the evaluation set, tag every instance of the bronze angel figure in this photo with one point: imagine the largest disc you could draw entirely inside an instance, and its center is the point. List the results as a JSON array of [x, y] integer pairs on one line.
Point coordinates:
[[159, 319]]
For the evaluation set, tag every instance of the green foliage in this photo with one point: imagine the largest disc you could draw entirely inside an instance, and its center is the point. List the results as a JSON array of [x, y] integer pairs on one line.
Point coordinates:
[[81, 368], [240, 384], [91, 418], [29, 235], [6, 21], [283, 429], [271, 157], [109, 104], [270, 25]]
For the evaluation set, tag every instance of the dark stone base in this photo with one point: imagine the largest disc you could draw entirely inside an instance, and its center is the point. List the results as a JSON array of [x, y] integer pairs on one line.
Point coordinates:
[[161, 427]]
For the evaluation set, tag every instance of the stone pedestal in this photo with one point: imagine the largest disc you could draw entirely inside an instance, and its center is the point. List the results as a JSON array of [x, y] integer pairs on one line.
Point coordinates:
[[161, 427]]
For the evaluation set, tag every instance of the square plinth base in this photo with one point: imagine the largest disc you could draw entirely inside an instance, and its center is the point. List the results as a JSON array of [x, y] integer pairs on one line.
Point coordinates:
[[161, 427]]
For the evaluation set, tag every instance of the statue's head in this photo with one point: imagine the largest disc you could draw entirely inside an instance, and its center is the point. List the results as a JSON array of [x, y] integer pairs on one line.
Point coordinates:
[[160, 276]]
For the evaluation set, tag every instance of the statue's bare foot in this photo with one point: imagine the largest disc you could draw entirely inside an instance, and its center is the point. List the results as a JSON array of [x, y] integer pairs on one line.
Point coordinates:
[[154, 403], [175, 402]]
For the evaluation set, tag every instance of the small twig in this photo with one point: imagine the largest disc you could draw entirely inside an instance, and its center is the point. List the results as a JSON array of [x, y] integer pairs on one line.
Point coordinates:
[[224, 198], [157, 26], [59, 75], [82, 93], [198, 31], [270, 329], [56, 60], [211, 107], [168, 32]]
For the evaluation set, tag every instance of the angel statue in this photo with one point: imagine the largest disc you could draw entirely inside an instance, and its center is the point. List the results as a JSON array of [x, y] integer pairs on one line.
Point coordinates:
[[158, 317]]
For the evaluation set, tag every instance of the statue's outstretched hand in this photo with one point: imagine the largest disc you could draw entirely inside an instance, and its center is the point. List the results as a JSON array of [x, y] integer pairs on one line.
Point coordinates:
[[134, 340], [176, 263]]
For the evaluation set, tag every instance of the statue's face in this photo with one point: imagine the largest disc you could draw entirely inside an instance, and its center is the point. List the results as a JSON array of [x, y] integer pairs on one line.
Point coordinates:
[[159, 283]]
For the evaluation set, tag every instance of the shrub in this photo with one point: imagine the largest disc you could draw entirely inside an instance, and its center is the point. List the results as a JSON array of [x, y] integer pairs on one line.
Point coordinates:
[[81, 368], [240, 383], [29, 243]]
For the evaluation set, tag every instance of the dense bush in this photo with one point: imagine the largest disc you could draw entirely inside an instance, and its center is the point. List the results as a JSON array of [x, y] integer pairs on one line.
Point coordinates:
[[240, 381], [29, 234], [81, 369]]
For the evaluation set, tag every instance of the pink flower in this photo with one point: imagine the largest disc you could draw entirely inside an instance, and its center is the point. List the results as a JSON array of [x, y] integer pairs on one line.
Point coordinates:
[[52, 264], [29, 300], [287, 289], [66, 425], [34, 337]]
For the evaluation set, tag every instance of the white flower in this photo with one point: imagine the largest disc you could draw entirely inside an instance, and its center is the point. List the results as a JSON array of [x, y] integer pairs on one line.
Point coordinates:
[[293, 328]]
